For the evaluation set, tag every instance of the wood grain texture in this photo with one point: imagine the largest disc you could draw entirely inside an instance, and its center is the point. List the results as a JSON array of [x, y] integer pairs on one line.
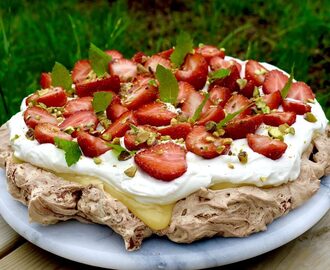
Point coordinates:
[[9, 239]]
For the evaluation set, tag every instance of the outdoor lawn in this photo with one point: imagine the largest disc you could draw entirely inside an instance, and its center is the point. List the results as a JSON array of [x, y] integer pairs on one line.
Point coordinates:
[[35, 34]]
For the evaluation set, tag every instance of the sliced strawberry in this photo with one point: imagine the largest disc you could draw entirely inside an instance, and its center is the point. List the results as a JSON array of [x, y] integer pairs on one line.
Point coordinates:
[[239, 128], [114, 54], [193, 100], [166, 54], [124, 68], [82, 120], [248, 89], [45, 80], [156, 60], [255, 71], [81, 70], [273, 100], [155, 114], [91, 146], [77, 105], [46, 132], [295, 106], [185, 89], [194, 71], [120, 126], [208, 51], [137, 140], [36, 115], [279, 118], [51, 97], [219, 95], [274, 81], [266, 146], [203, 143], [89, 88], [31, 100], [236, 103], [139, 58], [115, 109], [214, 113], [229, 81], [165, 161], [141, 93], [177, 131], [300, 91], [218, 62]]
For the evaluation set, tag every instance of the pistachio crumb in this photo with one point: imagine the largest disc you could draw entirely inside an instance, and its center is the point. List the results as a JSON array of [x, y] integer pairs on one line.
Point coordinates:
[[106, 137], [310, 117], [231, 166], [211, 126], [131, 171], [97, 160], [14, 138], [243, 157], [241, 83], [263, 179]]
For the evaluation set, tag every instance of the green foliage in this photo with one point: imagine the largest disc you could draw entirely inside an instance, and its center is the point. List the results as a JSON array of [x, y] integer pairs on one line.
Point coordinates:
[[35, 34], [168, 85]]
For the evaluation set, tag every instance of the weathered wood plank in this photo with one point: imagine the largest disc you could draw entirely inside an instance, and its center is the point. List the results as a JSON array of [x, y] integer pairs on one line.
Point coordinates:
[[9, 239]]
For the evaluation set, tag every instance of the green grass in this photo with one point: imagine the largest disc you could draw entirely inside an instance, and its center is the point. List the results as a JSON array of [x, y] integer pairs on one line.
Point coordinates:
[[36, 34]]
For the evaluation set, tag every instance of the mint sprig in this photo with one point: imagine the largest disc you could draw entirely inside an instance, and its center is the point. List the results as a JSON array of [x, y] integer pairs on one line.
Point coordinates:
[[71, 149], [101, 101], [287, 86], [231, 116], [184, 45], [99, 60], [199, 109], [120, 152], [61, 77], [219, 74], [168, 85]]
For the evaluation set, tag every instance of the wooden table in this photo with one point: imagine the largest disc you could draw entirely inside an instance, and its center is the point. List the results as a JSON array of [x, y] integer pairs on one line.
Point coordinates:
[[309, 251]]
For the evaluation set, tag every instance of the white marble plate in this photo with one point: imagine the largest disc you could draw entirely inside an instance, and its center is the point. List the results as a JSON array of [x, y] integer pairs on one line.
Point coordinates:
[[99, 246]]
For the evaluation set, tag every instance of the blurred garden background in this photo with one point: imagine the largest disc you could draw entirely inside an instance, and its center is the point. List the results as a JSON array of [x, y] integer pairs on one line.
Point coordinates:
[[35, 34]]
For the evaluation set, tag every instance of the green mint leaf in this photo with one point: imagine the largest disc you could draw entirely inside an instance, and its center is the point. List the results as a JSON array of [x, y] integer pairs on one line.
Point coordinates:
[[99, 60], [168, 85], [219, 74], [184, 45], [71, 149], [231, 116], [199, 109], [287, 86], [61, 77], [101, 101], [120, 152]]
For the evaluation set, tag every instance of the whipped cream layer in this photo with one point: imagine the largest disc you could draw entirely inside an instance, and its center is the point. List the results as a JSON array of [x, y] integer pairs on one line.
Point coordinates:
[[259, 170]]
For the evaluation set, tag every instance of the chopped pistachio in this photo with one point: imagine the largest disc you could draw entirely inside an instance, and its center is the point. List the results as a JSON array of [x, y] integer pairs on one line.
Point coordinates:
[[37, 117], [152, 82], [30, 134], [97, 160], [275, 133], [182, 118], [116, 140], [241, 83], [263, 179], [260, 71], [220, 148], [124, 155], [69, 130], [227, 141], [310, 100], [14, 138], [310, 117], [231, 166], [131, 171], [210, 139], [42, 92], [106, 137], [243, 157], [261, 105], [174, 121], [165, 138], [211, 126], [256, 92]]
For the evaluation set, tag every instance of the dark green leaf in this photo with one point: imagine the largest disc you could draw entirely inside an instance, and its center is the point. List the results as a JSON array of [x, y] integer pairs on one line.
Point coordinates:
[[288, 84], [219, 74], [101, 101], [184, 45], [168, 85], [71, 149], [99, 60], [199, 109], [61, 77]]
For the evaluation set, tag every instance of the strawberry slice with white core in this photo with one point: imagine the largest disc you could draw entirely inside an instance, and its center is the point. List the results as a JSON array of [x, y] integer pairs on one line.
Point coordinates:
[[176, 131], [139, 57], [295, 106], [124, 68], [46, 132], [77, 105], [266, 146], [255, 71], [215, 113], [239, 128], [219, 95], [115, 109], [51, 97], [229, 81], [236, 103], [279, 118], [218, 62], [185, 89], [114, 54], [203, 143], [155, 114], [275, 80], [209, 51], [192, 102], [156, 60], [111, 84], [120, 126], [273, 100], [194, 71], [165, 161], [301, 91], [91, 146], [81, 70], [82, 120], [45, 80], [144, 137], [36, 115], [166, 54]]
